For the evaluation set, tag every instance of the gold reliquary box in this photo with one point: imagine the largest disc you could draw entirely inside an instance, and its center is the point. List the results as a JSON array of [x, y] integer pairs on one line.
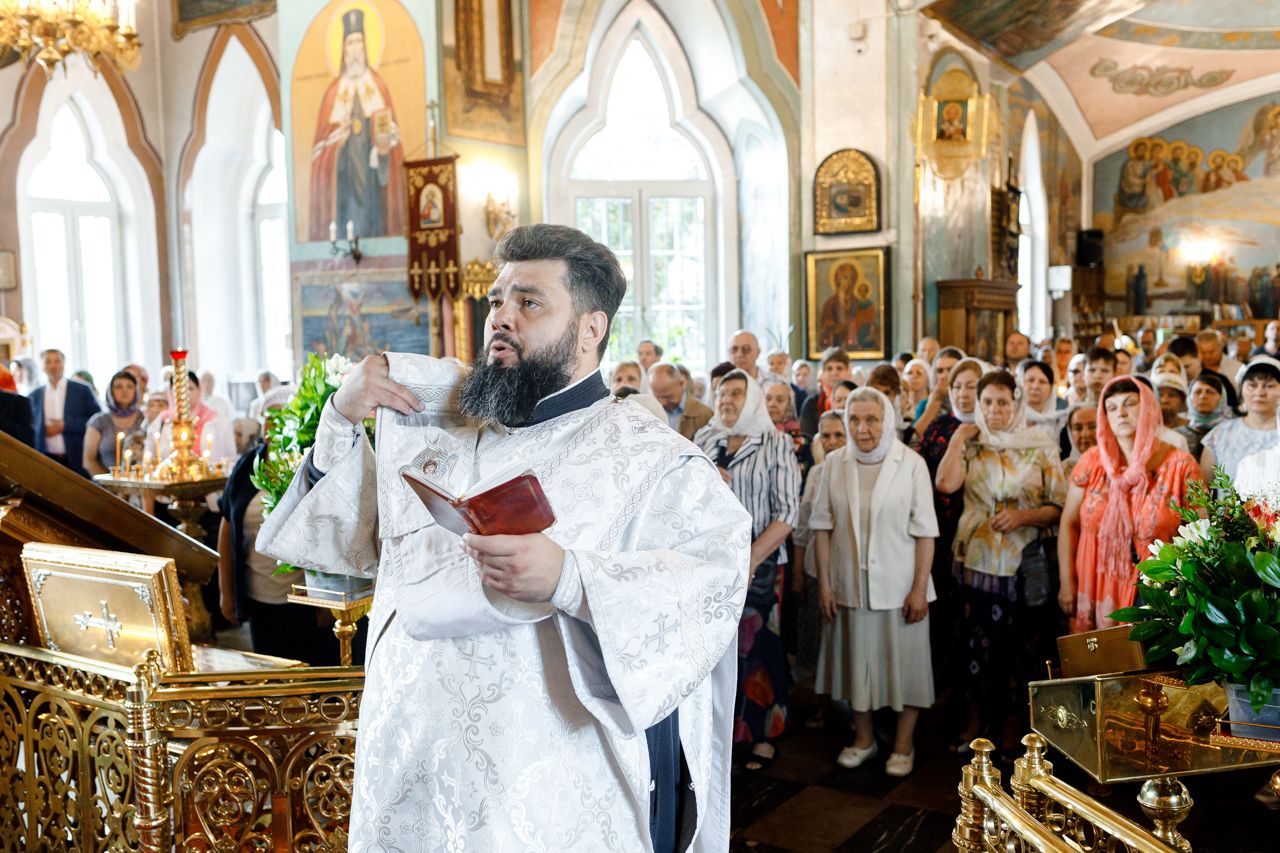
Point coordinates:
[[114, 607]]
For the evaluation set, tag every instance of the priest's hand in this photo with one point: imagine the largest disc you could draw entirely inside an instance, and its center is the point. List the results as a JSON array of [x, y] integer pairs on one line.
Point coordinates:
[[526, 568], [370, 385]]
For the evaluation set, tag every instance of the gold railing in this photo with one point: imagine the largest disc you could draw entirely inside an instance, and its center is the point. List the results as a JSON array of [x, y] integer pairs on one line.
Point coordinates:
[[96, 757], [1043, 813]]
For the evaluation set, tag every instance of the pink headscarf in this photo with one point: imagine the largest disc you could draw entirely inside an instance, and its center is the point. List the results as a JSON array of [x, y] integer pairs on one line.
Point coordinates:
[[1128, 483]]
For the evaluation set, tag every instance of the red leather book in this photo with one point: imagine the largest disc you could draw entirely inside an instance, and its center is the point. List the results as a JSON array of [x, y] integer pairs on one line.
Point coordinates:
[[513, 507]]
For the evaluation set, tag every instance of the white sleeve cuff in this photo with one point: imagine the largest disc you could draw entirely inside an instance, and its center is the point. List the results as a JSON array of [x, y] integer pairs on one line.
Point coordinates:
[[568, 597], [335, 436]]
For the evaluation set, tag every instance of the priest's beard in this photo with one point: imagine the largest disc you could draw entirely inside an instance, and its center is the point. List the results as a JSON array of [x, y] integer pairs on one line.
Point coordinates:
[[507, 395]]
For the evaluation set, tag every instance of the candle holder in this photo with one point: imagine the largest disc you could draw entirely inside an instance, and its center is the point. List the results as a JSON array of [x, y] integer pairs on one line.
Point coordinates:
[[351, 250]]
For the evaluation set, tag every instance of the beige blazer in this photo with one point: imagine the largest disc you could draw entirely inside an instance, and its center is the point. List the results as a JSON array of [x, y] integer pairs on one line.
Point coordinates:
[[695, 416], [902, 511]]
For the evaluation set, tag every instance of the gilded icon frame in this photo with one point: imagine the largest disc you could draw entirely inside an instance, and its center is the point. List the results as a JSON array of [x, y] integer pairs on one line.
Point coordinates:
[[869, 304], [846, 194]]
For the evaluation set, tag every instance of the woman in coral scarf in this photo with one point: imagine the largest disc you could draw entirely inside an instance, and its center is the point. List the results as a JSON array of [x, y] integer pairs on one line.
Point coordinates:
[[1118, 504]]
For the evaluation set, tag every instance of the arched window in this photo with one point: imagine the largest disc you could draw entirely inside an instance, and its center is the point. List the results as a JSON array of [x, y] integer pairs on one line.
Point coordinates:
[[72, 238], [641, 187], [238, 282], [1033, 244], [272, 250]]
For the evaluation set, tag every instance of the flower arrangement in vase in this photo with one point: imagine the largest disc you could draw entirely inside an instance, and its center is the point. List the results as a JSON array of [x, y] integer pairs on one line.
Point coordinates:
[[1210, 600]]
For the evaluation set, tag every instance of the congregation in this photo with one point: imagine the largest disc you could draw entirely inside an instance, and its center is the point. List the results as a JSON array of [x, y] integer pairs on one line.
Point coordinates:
[[925, 529], [922, 529]]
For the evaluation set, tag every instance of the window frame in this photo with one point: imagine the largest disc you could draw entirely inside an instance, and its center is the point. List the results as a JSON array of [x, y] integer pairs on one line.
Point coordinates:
[[640, 288], [71, 211]]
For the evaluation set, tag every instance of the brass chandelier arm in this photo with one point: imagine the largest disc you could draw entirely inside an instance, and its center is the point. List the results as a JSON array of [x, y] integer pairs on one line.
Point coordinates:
[[48, 31]]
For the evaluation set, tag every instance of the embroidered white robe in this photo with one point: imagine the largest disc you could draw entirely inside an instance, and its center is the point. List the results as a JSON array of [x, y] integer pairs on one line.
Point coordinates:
[[492, 725]]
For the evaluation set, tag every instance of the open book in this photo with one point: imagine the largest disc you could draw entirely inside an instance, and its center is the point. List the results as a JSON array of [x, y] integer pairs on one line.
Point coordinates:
[[506, 502]]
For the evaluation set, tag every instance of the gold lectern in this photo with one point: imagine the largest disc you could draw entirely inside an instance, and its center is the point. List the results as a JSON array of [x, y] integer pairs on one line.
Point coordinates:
[[115, 732]]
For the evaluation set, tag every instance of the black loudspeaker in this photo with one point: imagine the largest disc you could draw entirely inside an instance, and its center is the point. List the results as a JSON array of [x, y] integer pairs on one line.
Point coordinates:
[[1089, 248]]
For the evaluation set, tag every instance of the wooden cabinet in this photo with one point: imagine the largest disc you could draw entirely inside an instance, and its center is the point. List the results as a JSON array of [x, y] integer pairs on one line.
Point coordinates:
[[977, 314]]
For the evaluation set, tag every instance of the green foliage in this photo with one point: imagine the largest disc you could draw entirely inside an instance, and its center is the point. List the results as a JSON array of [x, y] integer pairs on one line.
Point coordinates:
[[1211, 597], [291, 431]]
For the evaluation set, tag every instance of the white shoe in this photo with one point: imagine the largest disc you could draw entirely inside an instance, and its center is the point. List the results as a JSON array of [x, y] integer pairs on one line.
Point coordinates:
[[852, 756], [899, 764]]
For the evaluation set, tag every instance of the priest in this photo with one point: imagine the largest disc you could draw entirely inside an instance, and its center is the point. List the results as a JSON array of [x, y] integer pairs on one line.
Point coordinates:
[[565, 690]]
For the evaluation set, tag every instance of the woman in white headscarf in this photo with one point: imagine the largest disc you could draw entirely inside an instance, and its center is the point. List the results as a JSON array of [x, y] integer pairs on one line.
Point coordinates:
[[917, 381], [759, 464], [875, 530], [1044, 408], [1013, 491]]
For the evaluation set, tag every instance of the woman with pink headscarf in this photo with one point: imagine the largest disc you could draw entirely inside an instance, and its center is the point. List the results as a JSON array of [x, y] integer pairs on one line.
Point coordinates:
[[1118, 503]]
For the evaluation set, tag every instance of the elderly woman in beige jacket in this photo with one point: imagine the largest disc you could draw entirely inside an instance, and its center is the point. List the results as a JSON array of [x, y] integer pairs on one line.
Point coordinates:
[[875, 530]]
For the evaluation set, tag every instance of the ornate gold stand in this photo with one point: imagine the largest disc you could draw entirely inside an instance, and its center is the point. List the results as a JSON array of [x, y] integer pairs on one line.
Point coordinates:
[[347, 609], [136, 760], [1145, 727]]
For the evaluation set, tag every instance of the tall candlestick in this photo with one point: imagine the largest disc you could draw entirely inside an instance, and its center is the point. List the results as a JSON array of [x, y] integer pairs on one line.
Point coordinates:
[[119, 444]]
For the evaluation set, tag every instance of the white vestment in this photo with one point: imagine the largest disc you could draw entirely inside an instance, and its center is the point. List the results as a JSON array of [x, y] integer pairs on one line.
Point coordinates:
[[492, 725]]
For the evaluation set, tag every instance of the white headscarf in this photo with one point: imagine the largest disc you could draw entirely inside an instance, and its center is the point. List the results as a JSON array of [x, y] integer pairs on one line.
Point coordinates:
[[1155, 366], [887, 437], [1016, 436], [754, 419], [928, 371], [1048, 415], [963, 417]]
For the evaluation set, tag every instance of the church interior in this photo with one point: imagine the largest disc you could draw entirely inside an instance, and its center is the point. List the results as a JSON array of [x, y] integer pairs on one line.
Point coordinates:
[[218, 207]]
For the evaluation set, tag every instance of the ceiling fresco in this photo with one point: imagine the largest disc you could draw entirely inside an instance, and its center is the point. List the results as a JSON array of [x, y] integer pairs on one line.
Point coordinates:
[[1126, 61]]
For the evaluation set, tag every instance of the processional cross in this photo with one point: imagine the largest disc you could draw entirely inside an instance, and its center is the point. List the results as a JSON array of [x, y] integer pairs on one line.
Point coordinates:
[[107, 622]]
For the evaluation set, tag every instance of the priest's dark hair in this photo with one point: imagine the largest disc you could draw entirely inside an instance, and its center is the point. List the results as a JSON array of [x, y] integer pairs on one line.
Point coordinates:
[[595, 279]]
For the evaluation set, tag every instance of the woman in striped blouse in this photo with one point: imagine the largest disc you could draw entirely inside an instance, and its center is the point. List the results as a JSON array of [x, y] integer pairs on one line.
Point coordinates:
[[758, 464]]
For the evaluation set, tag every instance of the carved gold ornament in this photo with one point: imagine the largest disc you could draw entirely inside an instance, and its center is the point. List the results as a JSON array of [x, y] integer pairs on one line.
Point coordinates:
[[954, 123], [846, 194]]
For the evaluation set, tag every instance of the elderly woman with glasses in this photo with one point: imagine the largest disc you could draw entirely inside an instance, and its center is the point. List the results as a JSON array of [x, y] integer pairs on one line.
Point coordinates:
[[875, 530]]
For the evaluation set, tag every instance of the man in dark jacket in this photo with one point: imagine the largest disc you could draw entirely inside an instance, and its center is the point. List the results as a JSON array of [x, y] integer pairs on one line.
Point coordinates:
[[60, 411]]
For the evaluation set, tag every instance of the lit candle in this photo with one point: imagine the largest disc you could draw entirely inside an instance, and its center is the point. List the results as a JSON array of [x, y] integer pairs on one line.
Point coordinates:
[[208, 445], [146, 460], [128, 457], [157, 447], [119, 444], [333, 232], [351, 230]]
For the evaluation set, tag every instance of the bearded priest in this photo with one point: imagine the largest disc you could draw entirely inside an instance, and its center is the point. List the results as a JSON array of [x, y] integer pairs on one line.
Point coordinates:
[[565, 690]]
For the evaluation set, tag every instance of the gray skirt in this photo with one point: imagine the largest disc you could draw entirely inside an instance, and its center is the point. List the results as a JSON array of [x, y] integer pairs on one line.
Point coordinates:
[[873, 659]]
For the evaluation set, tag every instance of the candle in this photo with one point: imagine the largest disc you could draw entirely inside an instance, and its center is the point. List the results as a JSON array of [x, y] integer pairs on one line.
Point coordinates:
[[351, 230], [146, 460], [119, 444], [128, 457], [208, 445], [333, 232], [157, 447]]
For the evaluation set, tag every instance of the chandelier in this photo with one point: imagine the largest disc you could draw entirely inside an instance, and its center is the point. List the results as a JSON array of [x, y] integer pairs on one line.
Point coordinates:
[[49, 30]]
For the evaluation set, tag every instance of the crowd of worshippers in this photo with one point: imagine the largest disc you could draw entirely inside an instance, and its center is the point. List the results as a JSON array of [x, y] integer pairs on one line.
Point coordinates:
[[64, 418], [934, 508], [941, 509]]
